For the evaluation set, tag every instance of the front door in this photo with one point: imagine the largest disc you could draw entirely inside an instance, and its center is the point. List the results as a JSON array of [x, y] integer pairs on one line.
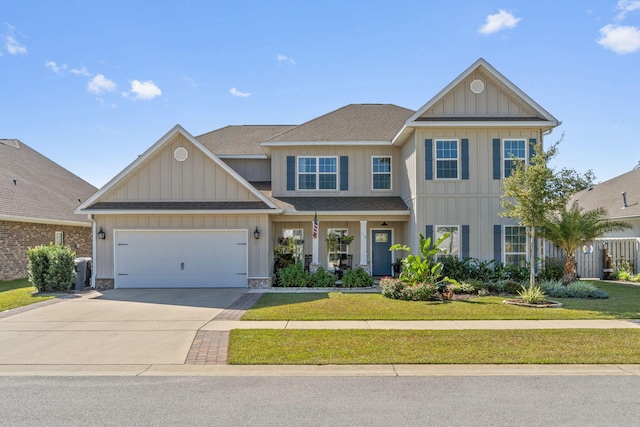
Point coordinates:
[[380, 254]]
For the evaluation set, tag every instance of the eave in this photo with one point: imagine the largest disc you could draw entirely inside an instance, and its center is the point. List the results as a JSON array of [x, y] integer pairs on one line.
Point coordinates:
[[14, 218]]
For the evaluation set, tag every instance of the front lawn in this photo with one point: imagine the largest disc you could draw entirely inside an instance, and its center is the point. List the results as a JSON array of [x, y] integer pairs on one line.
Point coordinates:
[[18, 293], [623, 303], [538, 346]]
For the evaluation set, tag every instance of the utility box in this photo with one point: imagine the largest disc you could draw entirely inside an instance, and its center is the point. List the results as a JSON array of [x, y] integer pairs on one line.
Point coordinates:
[[83, 273]]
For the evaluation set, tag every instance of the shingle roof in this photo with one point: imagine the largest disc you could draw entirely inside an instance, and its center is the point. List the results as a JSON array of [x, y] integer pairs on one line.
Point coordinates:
[[177, 206], [322, 204], [240, 140], [42, 188], [354, 122], [608, 194]]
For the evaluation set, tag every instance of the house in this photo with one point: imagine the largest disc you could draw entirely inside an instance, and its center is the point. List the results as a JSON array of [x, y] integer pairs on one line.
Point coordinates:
[[207, 211], [37, 202]]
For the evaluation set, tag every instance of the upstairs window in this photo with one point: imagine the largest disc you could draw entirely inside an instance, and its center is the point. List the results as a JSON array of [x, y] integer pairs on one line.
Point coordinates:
[[381, 173], [317, 173], [514, 152], [446, 159]]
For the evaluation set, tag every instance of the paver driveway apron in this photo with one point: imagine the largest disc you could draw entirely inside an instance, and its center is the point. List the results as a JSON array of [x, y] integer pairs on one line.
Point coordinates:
[[120, 326]]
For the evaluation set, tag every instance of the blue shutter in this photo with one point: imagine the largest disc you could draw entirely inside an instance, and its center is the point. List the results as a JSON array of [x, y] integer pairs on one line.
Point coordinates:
[[465, 158], [497, 243], [344, 173], [532, 146], [428, 232], [291, 173], [465, 242], [496, 158], [428, 159]]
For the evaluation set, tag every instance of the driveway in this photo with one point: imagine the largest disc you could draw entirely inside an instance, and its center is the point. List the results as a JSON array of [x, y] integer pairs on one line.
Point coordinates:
[[128, 326]]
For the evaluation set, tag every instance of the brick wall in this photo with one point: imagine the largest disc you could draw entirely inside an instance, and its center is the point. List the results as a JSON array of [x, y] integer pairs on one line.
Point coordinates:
[[17, 237]]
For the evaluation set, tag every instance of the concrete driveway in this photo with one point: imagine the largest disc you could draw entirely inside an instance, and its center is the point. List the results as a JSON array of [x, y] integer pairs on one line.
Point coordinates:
[[132, 326]]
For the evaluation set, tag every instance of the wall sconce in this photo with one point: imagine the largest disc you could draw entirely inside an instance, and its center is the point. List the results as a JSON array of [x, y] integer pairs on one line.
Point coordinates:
[[384, 223], [101, 234], [256, 233]]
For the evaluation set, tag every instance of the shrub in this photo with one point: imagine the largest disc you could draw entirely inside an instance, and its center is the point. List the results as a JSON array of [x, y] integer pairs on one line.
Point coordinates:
[[463, 288], [455, 268], [578, 289], [396, 289], [357, 278], [321, 279], [52, 268], [532, 294], [551, 269], [292, 276], [512, 287]]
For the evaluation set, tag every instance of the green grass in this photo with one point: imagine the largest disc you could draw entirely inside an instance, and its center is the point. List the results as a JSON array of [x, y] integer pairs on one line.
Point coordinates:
[[18, 293], [623, 303], [275, 347]]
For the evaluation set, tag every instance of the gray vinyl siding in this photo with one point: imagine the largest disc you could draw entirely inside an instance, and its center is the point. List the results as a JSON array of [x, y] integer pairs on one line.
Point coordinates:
[[251, 169]]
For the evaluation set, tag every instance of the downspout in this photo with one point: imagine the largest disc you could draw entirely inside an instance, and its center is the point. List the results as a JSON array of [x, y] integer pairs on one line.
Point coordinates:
[[93, 250]]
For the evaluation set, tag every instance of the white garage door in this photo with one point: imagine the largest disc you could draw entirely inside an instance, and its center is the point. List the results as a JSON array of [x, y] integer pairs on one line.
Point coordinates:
[[180, 258]]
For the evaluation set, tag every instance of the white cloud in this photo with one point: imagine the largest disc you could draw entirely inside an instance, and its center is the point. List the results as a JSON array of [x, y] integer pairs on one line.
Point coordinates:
[[13, 46], [190, 81], [499, 21], [626, 6], [143, 90], [81, 72], [58, 69], [284, 58], [620, 39], [100, 84], [235, 92]]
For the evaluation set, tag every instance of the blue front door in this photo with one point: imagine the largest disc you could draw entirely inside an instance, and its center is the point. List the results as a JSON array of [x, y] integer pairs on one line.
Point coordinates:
[[380, 254]]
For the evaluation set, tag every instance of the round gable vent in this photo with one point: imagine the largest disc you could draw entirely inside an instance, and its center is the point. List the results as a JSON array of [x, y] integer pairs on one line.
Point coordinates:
[[180, 154], [477, 86]]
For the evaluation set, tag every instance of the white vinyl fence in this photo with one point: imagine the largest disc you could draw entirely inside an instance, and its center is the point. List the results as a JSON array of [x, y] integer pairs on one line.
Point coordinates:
[[590, 259]]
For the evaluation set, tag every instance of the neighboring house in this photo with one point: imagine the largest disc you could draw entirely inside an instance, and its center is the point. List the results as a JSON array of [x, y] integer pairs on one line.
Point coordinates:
[[207, 211], [37, 202]]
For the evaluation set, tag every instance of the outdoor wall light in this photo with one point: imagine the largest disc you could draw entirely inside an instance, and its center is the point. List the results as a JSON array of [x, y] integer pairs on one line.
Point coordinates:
[[384, 223], [256, 233], [101, 234]]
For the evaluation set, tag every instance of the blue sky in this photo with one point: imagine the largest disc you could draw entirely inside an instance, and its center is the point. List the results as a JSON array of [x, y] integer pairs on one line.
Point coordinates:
[[92, 85]]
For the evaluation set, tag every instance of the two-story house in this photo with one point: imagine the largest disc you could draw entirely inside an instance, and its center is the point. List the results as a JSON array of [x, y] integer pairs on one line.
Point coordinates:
[[208, 211]]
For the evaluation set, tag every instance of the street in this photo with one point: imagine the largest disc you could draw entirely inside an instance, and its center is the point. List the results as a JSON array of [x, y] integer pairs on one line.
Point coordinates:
[[320, 401]]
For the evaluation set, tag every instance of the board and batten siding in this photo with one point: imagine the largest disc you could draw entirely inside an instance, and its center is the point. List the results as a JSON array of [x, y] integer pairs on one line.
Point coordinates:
[[495, 101], [359, 165], [162, 178], [251, 169], [260, 258]]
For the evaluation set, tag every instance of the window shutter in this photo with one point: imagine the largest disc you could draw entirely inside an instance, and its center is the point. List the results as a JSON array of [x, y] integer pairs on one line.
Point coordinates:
[[428, 232], [291, 173], [465, 158], [428, 159], [465, 241], [532, 146], [344, 173], [497, 243], [496, 158]]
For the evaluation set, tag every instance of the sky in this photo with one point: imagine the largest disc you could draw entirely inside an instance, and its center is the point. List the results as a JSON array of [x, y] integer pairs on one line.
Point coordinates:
[[92, 85]]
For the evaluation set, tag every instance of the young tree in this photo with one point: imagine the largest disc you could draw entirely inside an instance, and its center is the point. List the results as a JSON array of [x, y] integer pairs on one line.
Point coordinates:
[[573, 228], [534, 191]]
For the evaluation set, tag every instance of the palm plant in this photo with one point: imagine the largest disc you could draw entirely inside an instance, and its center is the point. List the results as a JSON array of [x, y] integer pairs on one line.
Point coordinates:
[[575, 227]]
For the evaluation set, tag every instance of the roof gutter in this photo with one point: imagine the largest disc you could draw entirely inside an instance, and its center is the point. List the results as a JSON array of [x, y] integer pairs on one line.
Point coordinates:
[[14, 218]]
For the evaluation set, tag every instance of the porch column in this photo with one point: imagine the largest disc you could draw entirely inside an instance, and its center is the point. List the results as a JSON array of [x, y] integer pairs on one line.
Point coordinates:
[[364, 262], [315, 245]]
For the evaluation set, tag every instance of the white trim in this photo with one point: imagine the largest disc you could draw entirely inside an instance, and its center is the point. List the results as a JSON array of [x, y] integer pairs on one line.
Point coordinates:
[[503, 159], [459, 235], [480, 124], [390, 189], [177, 129], [350, 213], [498, 76], [317, 173], [504, 244], [243, 156], [13, 218], [457, 159], [329, 232], [321, 143], [179, 212]]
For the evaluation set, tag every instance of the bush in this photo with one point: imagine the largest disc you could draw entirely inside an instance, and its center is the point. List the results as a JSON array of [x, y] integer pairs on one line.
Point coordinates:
[[396, 289], [292, 276], [555, 289], [512, 287], [321, 279], [463, 288], [357, 278], [551, 269], [532, 294], [52, 268]]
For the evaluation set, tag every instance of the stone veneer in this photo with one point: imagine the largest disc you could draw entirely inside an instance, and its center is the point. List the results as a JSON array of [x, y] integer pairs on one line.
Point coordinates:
[[259, 283], [17, 237], [104, 283]]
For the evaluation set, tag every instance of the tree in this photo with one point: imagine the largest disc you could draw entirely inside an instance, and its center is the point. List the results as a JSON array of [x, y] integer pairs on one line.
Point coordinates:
[[575, 227], [534, 190]]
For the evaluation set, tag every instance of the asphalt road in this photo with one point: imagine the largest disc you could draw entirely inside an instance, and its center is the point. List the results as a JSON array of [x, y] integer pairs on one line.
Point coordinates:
[[320, 401]]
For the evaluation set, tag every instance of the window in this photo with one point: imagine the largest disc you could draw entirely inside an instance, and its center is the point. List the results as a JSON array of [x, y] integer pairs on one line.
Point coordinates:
[[514, 151], [451, 245], [335, 246], [296, 237], [317, 173], [515, 246], [381, 173], [447, 159]]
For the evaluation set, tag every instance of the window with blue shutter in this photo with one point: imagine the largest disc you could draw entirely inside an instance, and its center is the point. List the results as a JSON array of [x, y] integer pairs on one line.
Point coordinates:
[[532, 148], [428, 232], [344, 173], [497, 243], [464, 243], [428, 159], [496, 158], [291, 173], [464, 146]]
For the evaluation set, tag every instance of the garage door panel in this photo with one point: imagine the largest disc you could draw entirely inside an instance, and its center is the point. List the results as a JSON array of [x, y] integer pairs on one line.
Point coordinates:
[[163, 258]]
